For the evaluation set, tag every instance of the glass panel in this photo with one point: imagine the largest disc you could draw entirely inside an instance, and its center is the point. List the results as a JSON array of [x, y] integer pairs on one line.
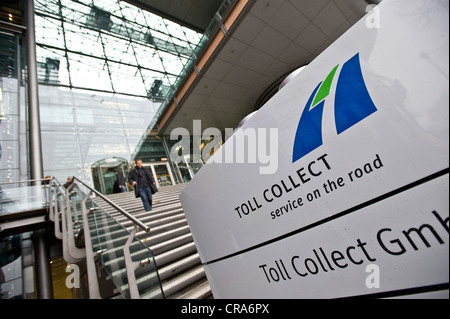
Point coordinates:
[[11, 118], [110, 236], [127, 79], [149, 58], [87, 42], [49, 31], [16, 199], [162, 174], [80, 128], [11, 285], [60, 151], [9, 128], [171, 63], [11, 268], [89, 72], [56, 117], [52, 66], [76, 197], [104, 174], [97, 146], [9, 162], [56, 97], [109, 177], [119, 51], [98, 121]]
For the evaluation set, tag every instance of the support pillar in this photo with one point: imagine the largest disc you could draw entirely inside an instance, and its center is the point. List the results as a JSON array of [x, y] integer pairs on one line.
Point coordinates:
[[42, 265], [34, 131]]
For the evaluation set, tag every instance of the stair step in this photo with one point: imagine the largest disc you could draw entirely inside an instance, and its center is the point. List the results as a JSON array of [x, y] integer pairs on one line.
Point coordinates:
[[116, 260], [179, 267], [171, 243], [175, 254], [182, 281], [155, 227], [157, 238], [112, 243], [198, 290], [160, 242]]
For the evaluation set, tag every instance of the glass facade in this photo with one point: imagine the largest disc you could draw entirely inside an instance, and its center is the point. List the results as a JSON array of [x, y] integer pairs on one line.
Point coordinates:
[[13, 140], [110, 46], [79, 128], [103, 68]]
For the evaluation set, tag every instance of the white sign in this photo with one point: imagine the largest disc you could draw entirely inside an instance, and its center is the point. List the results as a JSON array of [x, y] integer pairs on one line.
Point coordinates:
[[399, 243], [366, 121]]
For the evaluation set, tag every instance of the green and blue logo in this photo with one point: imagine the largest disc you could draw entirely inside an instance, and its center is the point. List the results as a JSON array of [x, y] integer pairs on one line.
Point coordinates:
[[352, 104]]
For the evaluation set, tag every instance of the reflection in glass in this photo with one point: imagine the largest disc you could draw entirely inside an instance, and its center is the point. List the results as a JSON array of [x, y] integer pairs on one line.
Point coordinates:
[[104, 176], [162, 175], [104, 71], [111, 46]]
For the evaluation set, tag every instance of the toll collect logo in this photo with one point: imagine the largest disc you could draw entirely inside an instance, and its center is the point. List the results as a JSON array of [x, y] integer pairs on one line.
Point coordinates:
[[352, 104]]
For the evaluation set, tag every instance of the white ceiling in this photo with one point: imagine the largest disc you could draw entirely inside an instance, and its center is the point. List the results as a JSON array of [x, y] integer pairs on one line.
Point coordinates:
[[272, 39]]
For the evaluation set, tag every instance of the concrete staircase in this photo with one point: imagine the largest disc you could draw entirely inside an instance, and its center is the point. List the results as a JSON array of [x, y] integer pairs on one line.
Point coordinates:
[[178, 263]]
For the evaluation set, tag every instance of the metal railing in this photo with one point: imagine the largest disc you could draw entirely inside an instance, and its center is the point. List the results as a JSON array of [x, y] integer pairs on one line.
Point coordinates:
[[23, 198], [136, 221], [107, 242]]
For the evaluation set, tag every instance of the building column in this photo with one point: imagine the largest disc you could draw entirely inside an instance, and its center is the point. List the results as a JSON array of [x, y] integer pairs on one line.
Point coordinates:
[[34, 133], [42, 265]]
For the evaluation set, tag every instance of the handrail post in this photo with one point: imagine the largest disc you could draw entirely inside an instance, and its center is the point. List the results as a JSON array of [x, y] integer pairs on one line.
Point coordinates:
[[73, 249], [94, 290], [53, 209], [131, 266], [65, 236], [58, 209], [51, 203]]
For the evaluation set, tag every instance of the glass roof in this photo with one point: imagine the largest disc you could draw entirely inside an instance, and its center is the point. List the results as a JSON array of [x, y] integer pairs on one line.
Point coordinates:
[[110, 46]]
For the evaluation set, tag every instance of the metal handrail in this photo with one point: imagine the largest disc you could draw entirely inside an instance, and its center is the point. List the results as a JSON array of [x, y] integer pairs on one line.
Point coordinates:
[[57, 182], [26, 181], [136, 221]]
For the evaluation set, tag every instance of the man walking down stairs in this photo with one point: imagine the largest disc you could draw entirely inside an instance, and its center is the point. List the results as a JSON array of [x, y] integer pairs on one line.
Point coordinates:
[[178, 263]]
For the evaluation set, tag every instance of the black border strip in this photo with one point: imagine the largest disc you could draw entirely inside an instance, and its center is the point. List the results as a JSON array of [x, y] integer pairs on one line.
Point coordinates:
[[403, 292], [339, 215]]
